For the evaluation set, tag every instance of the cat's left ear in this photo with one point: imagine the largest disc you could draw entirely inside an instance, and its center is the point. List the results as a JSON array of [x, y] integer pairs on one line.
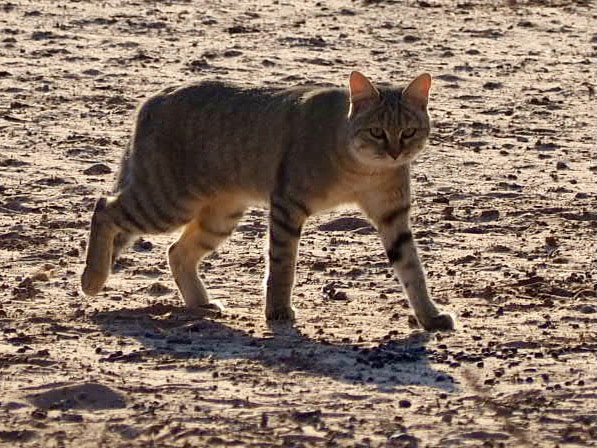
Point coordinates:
[[362, 92], [417, 92]]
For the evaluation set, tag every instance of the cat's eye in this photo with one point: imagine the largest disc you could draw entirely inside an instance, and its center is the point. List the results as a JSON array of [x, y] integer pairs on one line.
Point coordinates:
[[377, 133], [408, 132]]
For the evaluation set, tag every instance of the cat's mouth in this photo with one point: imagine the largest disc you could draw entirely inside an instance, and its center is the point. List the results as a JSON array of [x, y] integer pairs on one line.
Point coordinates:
[[402, 154]]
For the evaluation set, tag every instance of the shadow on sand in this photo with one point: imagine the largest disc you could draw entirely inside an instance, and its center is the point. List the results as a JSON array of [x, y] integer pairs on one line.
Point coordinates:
[[172, 331]]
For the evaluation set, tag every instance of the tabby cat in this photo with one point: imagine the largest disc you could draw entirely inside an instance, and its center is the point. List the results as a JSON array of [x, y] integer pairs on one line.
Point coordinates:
[[202, 153]]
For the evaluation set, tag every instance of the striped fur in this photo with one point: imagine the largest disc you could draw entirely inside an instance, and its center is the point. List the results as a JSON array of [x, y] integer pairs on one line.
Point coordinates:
[[202, 153]]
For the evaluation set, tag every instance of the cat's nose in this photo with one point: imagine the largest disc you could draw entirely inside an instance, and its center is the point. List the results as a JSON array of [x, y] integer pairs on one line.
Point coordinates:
[[393, 151]]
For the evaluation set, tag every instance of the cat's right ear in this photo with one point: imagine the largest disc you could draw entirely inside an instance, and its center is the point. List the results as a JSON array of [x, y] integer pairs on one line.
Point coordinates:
[[362, 92]]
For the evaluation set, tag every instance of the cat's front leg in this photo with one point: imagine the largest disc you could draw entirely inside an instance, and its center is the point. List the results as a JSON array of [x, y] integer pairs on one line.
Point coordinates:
[[402, 254], [287, 216], [393, 223]]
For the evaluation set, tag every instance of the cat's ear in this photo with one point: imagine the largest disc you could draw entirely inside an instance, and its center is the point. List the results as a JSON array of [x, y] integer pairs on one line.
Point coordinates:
[[362, 92], [417, 92]]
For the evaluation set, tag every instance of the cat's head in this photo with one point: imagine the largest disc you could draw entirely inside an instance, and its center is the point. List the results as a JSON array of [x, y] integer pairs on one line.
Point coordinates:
[[387, 127]]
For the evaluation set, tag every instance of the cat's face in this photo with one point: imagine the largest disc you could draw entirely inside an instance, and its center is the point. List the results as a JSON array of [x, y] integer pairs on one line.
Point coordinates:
[[387, 128]]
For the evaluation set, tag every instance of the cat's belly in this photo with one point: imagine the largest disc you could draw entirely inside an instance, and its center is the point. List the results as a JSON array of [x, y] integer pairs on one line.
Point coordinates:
[[233, 199], [334, 198]]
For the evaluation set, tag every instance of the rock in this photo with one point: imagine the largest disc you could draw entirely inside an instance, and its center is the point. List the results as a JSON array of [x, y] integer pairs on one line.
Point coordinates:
[[125, 431], [232, 53], [411, 38], [39, 414], [493, 85], [347, 12], [449, 77], [402, 440], [489, 215], [23, 435], [97, 169], [158, 289], [587, 309], [329, 292], [485, 435], [309, 417], [92, 72], [141, 245], [520, 345], [551, 241], [240, 29]]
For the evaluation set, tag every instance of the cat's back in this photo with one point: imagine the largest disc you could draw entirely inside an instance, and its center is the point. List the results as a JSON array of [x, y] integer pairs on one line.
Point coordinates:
[[202, 93], [230, 134], [222, 99], [214, 114], [216, 98]]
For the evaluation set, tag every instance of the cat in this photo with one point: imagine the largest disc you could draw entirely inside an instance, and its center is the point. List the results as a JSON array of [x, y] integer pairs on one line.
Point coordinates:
[[202, 153]]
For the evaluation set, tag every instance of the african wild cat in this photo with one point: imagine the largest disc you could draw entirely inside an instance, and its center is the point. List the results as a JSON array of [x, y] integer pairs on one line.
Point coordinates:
[[202, 153]]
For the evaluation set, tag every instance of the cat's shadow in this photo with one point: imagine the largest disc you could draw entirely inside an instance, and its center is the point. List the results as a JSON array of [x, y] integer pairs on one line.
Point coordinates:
[[172, 331]]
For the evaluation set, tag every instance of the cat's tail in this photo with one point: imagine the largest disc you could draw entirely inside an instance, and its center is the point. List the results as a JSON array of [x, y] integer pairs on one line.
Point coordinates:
[[123, 239]]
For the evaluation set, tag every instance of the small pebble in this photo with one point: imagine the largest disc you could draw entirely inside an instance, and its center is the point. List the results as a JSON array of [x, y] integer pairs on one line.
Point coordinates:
[[142, 245], [493, 85], [39, 414], [588, 309], [551, 241], [402, 440], [158, 289]]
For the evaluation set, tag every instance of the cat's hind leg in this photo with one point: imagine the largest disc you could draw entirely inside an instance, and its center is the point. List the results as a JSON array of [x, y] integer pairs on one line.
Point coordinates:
[[135, 211], [122, 240], [200, 237]]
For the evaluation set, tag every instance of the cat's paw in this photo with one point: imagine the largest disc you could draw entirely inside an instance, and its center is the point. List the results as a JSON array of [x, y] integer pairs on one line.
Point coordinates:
[[92, 281], [213, 306], [441, 322], [280, 313]]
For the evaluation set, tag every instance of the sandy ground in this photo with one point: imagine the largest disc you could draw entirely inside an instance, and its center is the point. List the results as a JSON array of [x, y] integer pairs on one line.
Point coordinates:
[[505, 217]]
